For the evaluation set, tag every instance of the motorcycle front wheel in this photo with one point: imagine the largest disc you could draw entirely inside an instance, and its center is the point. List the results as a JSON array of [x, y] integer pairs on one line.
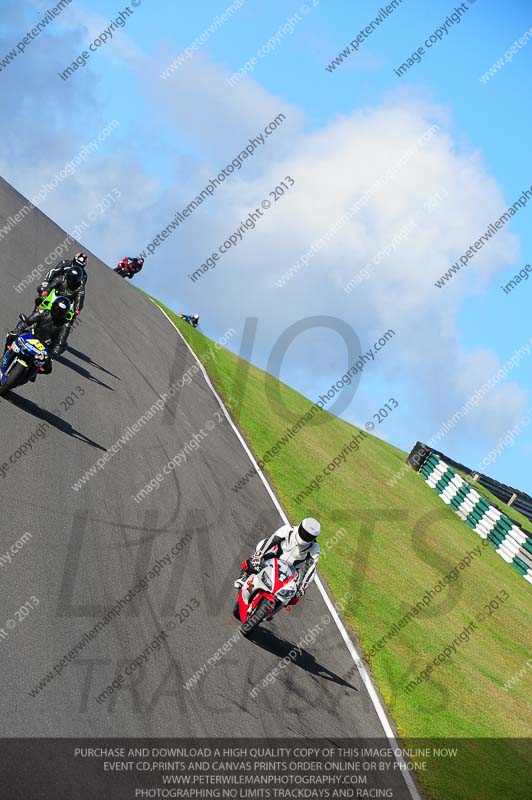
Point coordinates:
[[262, 610], [13, 379]]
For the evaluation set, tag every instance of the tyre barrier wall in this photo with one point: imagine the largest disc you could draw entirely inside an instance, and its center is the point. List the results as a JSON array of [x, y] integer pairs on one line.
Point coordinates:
[[521, 501], [510, 541]]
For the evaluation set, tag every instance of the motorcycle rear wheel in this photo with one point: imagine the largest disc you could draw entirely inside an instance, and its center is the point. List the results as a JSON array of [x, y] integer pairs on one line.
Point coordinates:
[[13, 379]]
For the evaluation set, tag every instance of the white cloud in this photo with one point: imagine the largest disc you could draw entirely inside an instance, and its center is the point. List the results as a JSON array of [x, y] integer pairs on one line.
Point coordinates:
[[200, 105], [333, 167], [117, 46]]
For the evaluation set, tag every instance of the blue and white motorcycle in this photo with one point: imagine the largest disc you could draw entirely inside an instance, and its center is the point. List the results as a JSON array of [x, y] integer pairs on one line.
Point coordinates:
[[22, 360]]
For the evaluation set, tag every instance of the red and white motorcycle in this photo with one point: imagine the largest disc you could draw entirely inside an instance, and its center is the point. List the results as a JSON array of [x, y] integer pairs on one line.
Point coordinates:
[[265, 593]]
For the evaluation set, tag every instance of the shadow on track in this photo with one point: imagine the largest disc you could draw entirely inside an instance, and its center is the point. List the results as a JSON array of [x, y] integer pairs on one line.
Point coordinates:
[[47, 416], [88, 360], [263, 637], [82, 371]]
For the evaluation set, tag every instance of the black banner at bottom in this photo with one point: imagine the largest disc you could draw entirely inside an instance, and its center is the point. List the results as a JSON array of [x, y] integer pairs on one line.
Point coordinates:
[[274, 769]]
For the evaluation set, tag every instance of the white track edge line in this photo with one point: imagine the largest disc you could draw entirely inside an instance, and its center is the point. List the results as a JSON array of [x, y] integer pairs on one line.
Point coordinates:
[[366, 679]]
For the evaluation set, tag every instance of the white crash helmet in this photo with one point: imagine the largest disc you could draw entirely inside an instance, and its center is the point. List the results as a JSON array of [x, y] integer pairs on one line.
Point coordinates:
[[308, 530]]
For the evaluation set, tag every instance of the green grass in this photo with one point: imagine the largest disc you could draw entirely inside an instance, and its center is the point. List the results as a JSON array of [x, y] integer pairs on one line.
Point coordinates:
[[400, 541]]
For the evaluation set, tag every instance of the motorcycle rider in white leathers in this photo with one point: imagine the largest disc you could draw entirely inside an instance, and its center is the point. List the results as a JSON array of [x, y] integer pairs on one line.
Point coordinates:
[[295, 545]]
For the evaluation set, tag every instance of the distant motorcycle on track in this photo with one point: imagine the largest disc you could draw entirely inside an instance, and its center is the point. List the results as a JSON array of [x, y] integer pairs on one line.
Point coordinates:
[[129, 267], [192, 319]]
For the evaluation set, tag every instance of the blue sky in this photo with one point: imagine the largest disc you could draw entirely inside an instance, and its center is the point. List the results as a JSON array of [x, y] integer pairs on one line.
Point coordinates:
[[343, 130]]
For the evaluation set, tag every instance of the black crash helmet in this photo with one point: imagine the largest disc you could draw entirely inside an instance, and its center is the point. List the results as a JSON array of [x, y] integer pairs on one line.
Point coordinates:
[[59, 310]]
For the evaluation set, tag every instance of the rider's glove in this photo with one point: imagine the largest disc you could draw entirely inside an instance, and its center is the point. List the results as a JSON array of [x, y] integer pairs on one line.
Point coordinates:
[[300, 592], [255, 562], [77, 312], [44, 293]]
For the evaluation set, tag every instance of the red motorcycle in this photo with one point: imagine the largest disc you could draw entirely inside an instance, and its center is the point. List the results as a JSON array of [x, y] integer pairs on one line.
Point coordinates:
[[129, 267], [265, 593]]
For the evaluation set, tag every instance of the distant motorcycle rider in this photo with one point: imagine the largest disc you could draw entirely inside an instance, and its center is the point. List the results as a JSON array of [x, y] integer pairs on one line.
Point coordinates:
[[296, 545], [129, 266], [192, 319], [49, 327]]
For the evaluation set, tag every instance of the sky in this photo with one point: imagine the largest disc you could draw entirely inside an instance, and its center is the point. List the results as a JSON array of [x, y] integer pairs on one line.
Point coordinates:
[[374, 178]]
